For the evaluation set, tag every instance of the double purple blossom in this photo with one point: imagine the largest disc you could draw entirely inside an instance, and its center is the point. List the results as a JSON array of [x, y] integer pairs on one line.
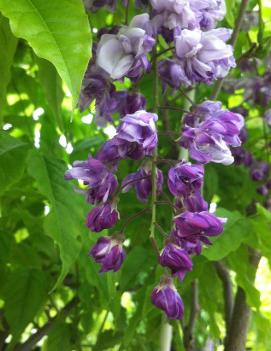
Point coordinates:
[[125, 53], [109, 253], [100, 182], [209, 132], [136, 138], [200, 57], [185, 178]]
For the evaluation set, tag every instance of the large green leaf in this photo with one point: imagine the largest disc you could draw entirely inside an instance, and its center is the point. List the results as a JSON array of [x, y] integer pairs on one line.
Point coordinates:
[[24, 293], [51, 83], [65, 222], [57, 31], [59, 338], [237, 229], [12, 160], [8, 45]]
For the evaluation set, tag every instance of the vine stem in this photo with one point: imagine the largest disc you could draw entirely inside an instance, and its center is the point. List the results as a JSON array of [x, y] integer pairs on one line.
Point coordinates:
[[155, 153], [232, 41]]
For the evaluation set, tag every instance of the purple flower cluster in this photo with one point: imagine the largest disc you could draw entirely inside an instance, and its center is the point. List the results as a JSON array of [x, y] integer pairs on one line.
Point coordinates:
[[136, 138], [193, 225], [209, 132], [201, 55]]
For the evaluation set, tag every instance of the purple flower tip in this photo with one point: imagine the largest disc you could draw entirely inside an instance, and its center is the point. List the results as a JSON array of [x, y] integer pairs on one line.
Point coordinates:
[[166, 298], [109, 253], [102, 217]]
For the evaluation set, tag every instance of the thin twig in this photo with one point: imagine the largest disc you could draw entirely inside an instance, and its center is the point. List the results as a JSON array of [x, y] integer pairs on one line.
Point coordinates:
[[225, 278], [173, 108], [161, 230], [134, 181], [133, 217]]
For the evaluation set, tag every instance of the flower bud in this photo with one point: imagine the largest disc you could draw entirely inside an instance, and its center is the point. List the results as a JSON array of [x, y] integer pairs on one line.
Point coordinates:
[[102, 217]]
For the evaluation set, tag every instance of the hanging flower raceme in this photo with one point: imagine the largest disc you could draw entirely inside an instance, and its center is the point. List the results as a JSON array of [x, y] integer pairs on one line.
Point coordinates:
[[102, 217], [141, 181], [201, 56], [109, 253], [166, 297], [209, 132], [100, 182], [125, 53]]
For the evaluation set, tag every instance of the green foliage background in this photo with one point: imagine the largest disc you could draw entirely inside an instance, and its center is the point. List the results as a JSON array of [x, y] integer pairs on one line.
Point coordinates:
[[47, 277]]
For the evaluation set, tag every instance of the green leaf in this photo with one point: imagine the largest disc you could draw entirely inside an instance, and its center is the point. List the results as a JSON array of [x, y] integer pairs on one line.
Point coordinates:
[[13, 153], [133, 264], [237, 229], [107, 340], [239, 261], [24, 293], [65, 221], [8, 45], [51, 83], [57, 31], [59, 338], [230, 4]]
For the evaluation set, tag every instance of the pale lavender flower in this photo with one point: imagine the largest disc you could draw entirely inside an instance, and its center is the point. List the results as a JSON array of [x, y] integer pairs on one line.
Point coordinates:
[[267, 117], [208, 12], [173, 15], [209, 132], [204, 56], [124, 53]]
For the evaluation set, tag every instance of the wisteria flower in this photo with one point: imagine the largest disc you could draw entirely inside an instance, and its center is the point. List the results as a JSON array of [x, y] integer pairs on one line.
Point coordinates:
[[202, 56], [124, 53], [203, 223], [166, 297], [173, 15], [185, 178], [141, 181], [100, 181], [177, 259], [208, 12], [209, 132], [109, 253], [102, 217]]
